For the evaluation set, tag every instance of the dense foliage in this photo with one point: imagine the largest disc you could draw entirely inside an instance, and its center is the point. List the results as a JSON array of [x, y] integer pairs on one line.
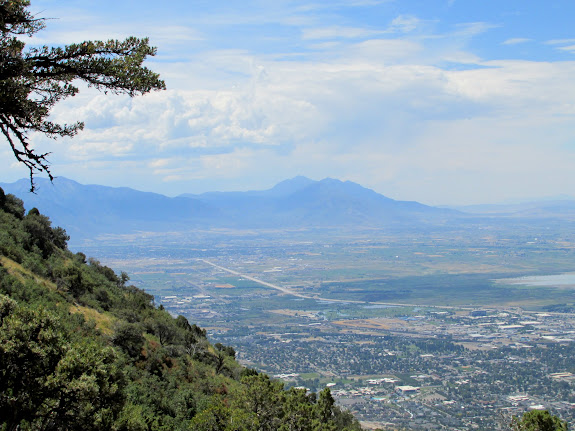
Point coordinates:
[[82, 349], [538, 420]]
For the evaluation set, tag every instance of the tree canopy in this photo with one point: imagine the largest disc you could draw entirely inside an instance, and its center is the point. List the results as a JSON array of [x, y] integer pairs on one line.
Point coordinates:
[[33, 80], [538, 420]]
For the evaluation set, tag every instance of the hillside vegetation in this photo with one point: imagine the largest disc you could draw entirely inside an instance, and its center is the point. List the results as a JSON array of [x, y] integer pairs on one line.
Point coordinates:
[[80, 348]]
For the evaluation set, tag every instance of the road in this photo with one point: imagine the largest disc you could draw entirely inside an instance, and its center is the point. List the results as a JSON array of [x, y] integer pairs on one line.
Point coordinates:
[[288, 291], [263, 283]]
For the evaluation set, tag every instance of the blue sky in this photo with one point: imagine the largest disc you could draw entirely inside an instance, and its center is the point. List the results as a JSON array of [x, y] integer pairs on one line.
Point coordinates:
[[439, 101]]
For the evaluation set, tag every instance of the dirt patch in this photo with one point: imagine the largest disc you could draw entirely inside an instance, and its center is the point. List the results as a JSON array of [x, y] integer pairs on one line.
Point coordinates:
[[378, 323], [295, 313]]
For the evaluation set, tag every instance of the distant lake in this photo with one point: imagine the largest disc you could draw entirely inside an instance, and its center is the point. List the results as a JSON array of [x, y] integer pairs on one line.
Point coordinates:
[[566, 279]]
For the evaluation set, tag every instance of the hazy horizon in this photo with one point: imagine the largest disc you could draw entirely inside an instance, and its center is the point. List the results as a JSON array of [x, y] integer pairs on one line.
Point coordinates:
[[519, 200]]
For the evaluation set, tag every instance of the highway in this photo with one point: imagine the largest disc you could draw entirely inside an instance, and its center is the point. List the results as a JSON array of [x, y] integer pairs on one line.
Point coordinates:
[[288, 291], [255, 280]]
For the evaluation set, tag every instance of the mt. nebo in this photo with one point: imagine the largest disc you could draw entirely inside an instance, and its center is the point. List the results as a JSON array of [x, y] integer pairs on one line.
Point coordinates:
[[88, 210]]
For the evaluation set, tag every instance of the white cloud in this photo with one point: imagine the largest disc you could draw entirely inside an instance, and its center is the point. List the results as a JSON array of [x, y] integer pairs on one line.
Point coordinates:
[[404, 23], [471, 29], [560, 41], [338, 32], [367, 115], [307, 6], [516, 41], [376, 52]]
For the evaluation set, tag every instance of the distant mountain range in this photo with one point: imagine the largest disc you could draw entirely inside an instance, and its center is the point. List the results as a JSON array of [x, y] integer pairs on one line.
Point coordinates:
[[87, 211], [301, 202], [563, 208]]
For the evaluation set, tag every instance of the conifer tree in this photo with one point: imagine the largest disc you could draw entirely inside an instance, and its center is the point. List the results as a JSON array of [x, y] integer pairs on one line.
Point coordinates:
[[33, 80]]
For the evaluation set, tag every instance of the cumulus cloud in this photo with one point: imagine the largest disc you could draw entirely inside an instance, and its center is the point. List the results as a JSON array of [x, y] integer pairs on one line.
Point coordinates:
[[398, 108], [363, 115]]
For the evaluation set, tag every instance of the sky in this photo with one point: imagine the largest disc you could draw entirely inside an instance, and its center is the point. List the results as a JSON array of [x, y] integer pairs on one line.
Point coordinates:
[[439, 101]]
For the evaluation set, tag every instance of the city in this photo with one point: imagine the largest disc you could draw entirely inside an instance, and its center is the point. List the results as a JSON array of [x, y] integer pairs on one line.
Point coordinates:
[[421, 363]]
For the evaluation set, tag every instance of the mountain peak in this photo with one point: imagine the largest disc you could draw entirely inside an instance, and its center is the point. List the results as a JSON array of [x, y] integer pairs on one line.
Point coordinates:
[[90, 210], [287, 187]]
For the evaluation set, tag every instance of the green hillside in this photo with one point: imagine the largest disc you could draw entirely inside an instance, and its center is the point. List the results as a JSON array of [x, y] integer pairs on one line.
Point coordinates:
[[80, 348]]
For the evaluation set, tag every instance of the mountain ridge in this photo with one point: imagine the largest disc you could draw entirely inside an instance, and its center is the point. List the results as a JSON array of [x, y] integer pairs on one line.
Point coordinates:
[[91, 210]]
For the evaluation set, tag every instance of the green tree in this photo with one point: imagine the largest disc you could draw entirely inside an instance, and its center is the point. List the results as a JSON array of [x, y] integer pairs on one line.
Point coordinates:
[[42, 235], [32, 81], [219, 417], [263, 397], [163, 326], [50, 380], [538, 420], [129, 338], [325, 405], [297, 411]]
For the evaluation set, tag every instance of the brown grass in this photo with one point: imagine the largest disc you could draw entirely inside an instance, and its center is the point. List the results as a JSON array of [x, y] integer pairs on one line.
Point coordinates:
[[103, 322], [295, 313], [378, 323], [23, 274]]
